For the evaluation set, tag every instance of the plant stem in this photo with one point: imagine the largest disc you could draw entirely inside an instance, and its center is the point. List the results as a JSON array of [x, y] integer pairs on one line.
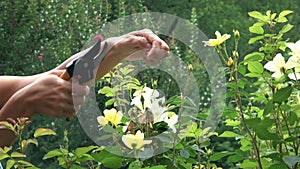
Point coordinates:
[[239, 104]]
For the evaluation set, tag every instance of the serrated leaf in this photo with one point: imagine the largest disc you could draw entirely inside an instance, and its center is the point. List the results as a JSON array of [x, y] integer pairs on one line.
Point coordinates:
[[257, 15], [43, 132], [282, 94], [229, 134]]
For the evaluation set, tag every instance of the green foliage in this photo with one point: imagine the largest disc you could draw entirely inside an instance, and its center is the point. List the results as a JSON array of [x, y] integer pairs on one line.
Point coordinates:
[[265, 108], [261, 122], [16, 158]]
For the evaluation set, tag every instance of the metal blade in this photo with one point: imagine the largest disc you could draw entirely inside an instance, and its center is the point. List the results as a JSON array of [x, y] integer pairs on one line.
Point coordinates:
[[98, 59], [93, 51]]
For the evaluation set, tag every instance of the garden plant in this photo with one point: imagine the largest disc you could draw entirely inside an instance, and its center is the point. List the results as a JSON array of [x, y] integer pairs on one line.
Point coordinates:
[[141, 122]]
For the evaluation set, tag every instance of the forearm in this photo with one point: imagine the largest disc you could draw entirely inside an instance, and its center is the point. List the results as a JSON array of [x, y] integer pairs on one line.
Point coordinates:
[[14, 108], [11, 84], [111, 59]]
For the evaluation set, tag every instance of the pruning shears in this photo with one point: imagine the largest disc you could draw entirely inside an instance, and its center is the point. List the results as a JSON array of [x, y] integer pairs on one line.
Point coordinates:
[[83, 67]]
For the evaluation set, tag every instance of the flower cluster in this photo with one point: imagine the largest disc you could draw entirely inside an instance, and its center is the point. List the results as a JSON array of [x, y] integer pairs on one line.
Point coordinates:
[[279, 67], [147, 100], [147, 110]]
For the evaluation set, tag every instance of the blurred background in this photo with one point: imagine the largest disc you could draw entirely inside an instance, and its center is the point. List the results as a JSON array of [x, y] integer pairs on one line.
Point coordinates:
[[37, 35]]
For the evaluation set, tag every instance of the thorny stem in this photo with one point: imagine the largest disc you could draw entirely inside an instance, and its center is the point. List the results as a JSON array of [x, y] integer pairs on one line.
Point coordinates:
[[289, 131], [222, 57], [199, 153], [239, 104]]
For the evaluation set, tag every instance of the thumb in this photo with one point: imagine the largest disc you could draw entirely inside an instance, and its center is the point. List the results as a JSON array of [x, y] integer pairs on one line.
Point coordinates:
[[57, 72]]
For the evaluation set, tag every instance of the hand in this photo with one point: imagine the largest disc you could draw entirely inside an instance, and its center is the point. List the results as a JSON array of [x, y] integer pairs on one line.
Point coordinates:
[[53, 96], [137, 45]]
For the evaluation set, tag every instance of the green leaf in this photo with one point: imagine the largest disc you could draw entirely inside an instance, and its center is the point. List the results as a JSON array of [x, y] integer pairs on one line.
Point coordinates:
[[229, 134], [291, 161], [82, 150], [156, 167], [257, 15], [253, 75], [278, 166], [242, 69], [257, 29], [184, 153], [292, 118], [135, 165], [74, 166], [286, 28], [107, 91], [53, 153], [282, 94], [285, 12], [256, 38], [246, 144], [217, 156], [43, 131], [17, 154], [281, 19], [3, 156], [255, 67], [232, 123], [26, 163], [269, 108], [84, 158], [264, 134], [112, 162], [255, 56], [10, 163], [7, 125], [249, 164], [109, 102], [235, 158]]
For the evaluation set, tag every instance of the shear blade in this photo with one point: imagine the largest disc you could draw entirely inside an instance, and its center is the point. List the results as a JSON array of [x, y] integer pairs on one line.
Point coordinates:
[[98, 59]]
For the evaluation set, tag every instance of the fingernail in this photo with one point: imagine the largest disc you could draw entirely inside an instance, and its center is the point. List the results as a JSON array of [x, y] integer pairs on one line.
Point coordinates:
[[148, 45], [87, 89]]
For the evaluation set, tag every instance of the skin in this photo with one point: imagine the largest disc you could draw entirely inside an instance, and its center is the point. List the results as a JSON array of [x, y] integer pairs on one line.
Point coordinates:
[[48, 94]]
